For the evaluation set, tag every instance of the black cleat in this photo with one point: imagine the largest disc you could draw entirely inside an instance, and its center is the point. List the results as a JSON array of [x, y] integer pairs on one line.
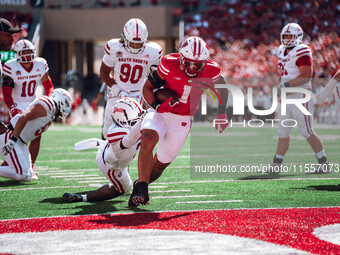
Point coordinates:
[[141, 198], [72, 198], [133, 193]]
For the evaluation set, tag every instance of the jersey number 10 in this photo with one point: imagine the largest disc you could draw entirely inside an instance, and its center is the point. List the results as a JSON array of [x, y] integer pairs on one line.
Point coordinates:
[[28, 88]]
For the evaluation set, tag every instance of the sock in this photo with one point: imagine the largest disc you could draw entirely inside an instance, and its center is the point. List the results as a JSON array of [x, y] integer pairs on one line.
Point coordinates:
[[84, 197], [143, 186], [278, 158], [321, 156]]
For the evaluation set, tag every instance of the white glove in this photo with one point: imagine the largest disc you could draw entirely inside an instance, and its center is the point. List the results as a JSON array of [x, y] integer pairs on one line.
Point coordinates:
[[118, 92], [322, 95], [8, 147]]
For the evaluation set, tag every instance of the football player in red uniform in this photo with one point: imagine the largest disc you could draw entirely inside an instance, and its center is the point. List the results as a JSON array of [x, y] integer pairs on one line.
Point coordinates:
[[169, 123]]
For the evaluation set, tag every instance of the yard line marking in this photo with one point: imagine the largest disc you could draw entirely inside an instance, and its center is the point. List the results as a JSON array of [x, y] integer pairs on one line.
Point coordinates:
[[282, 179], [188, 196], [157, 187], [86, 178], [170, 191], [67, 170], [205, 202], [91, 181], [60, 187], [65, 176], [63, 160], [53, 174]]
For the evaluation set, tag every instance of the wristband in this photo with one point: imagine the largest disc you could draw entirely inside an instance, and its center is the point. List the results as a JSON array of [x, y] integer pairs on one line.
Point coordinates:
[[286, 84], [155, 105], [13, 138]]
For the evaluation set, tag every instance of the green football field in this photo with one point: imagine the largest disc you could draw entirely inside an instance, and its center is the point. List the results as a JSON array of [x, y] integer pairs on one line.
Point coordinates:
[[61, 169]]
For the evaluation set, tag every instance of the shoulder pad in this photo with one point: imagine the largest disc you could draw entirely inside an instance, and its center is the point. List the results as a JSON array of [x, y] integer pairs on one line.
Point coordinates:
[[112, 46]]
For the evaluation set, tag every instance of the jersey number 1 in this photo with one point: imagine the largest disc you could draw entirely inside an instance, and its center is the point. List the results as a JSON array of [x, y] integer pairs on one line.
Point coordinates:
[[28, 88]]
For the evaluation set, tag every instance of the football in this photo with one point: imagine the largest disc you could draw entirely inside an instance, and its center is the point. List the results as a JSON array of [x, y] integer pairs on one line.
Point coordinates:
[[164, 93]]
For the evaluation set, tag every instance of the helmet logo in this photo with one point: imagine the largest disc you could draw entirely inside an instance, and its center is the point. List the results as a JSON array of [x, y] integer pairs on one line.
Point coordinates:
[[116, 109], [197, 47]]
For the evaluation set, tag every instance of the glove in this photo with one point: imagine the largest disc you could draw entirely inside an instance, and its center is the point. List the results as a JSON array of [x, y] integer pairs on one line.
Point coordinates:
[[15, 111], [322, 95], [221, 122], [8, 147], [167, 106], [118, 92], [8, 81]]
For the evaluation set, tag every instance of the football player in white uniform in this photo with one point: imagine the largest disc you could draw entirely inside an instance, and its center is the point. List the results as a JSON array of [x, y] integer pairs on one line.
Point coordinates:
[[115, 154], [21, 78], [27, 126], [295, 63], [130, 59]]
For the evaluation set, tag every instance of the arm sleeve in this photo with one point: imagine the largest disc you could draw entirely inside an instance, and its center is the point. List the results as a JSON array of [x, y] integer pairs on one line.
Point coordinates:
[[304, 61], [132, 137], [7, 93], [48, 86]]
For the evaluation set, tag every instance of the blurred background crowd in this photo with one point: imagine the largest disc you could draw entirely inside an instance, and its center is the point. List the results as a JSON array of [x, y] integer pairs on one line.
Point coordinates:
[[243, 37]]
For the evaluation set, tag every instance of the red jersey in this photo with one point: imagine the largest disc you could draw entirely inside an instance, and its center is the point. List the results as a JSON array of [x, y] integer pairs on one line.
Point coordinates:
[[188, 90]]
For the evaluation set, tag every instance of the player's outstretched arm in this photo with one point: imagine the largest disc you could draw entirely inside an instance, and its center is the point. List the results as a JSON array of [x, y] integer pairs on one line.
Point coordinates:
[[324, 93], [47, 83]]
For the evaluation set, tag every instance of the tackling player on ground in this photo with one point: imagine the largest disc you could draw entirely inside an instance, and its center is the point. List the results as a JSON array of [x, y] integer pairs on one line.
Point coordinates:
[[21, 78], [169, 124], [130, 59], [114, 155], [295, 63], [27, 126]]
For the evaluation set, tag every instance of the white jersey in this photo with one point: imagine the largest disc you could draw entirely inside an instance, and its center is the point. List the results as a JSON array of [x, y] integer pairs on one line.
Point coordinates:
[[130, 70], [114, 157], [26, 82], [36, 127], [287, 63]]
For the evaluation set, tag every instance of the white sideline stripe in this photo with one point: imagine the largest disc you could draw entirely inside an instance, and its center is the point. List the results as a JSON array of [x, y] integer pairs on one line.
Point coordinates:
[[65, 176], [170, 191], [297, 179], [60, 187], [189, 196], [206, 202]]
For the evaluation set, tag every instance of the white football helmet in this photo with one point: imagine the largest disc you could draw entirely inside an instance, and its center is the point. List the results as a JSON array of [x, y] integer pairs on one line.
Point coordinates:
[[194, 55], [126, 112], [135, 31], [63, 100], [24, 45], [297, 34]]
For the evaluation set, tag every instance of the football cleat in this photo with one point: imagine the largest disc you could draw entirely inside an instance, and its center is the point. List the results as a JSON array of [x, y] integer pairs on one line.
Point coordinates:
[[141, 198], [134, 192], [323, 168], [72, 198]]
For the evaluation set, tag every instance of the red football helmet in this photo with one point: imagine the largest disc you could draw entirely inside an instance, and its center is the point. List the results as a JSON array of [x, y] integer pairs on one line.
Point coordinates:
[[194, 55]]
